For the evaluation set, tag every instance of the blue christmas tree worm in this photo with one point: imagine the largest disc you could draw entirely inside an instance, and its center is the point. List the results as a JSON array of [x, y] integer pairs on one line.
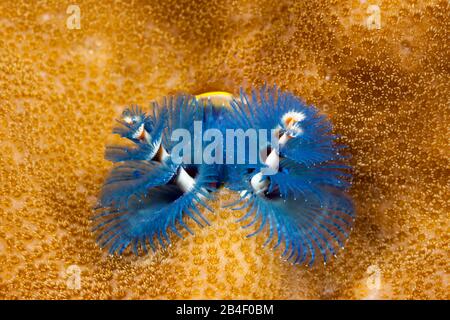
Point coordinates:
[[296, 193]]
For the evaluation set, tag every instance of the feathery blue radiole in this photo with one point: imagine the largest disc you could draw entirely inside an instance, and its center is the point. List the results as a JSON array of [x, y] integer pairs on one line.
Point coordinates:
[[302, 206], [147, 195]]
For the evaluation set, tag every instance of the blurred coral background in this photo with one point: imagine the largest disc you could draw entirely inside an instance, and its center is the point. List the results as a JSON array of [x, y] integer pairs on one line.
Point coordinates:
[[386, 90]]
